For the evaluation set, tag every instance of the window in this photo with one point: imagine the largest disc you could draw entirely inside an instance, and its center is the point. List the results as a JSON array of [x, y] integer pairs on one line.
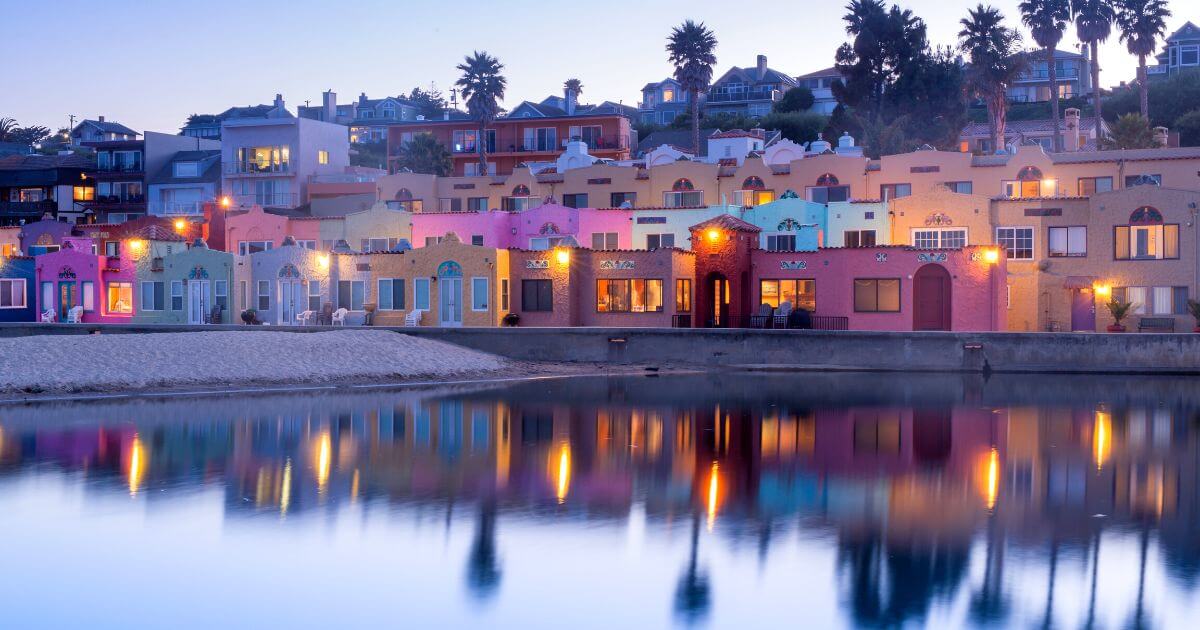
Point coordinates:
[[187, 169], [1067, 241], [1089, 186], [307, 244], [540, 139], [894, 191], [604, 240], [120, 297], [88, 289], [1146, 242], [576, 200], [477, 204], [877, 295], [1154, 300], [152, 296], [828, 194], [629, 296], [962, 188], [683, 199], [504, 294], [858, 238], [781, 242], [432, 240], [314, 295], [177, 295], [1017, 241], [660, 241], [421, 294], [351, 294], [221, 293], [112, 249], [391, 294], [242, 295], [537, 296], [479, 294], [264, 295], [477, 240], [617, 199], [1143, 180], [798, 293], [275, 159], [253, 247], [12, 293], [84, 193], [376, 244], [939, 238], [683, 295]]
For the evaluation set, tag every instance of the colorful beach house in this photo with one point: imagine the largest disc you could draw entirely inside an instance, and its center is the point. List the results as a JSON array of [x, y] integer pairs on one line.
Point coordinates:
[[655, 228], [450, 283], [190, 286], [350, 283], [285, 281], [255, 229], [95, 288], [788, 223], [40, 237], [17, 282]]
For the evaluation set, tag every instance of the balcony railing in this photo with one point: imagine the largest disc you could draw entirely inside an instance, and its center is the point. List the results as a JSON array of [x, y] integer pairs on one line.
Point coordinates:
[[22, 209], [1044, 75], [734, 96], [256, 168], [266, 200], [120, 168], [119, 199], [177, 208]]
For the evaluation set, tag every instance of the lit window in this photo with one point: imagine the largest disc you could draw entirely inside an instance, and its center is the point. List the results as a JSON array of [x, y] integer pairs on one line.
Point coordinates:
[[322, 157], [120, 298], [1017, 241]]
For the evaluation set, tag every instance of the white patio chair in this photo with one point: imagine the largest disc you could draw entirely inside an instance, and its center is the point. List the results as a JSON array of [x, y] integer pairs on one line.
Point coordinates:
[[339, 317], [781, 314], [49, 317], [303, 318], [413, 318], [75, 315]]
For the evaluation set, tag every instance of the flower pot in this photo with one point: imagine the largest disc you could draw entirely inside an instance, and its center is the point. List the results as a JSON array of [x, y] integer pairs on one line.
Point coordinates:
[[1116, 328]]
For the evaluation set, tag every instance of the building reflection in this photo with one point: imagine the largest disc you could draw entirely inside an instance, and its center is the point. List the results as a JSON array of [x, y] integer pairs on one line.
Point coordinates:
[[907, 490]]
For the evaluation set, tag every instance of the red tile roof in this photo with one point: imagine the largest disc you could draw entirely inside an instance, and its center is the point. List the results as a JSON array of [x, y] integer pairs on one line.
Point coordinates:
[[727, 222]]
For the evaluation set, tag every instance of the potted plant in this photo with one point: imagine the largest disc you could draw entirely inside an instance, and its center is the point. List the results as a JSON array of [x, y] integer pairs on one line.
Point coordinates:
[[250, 316], [1119, 310], [1194, 309], [511, 319]]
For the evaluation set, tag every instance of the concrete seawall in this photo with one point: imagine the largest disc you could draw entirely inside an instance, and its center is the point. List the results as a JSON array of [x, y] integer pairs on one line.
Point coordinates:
[[783, 349]]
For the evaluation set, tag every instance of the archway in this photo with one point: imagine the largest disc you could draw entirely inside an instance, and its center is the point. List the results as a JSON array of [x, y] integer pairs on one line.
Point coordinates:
[[716, 300], [931, 298]]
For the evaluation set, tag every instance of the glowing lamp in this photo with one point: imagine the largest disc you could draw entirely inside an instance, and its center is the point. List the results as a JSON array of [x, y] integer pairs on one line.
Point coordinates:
[[991, 256], [1102, 290], [714, 234], [180, 224], [135, 246], [225, 201], [323, 261], [1049, 186], [562, 256]]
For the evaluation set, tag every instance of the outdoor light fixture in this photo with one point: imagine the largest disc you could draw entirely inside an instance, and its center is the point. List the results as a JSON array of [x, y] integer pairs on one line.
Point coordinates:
[[225, 201], [180, 224], [1102, 290], [1052, 184], [135, 246], [991, 256], [562, 256], [323, 261], [714, 234]]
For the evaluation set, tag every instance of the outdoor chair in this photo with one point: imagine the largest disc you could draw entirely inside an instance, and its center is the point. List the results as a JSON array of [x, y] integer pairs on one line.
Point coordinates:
[[304, 318], [75, 315], [413, 318], [325, 318], [763, 318], [781, 314], [339, 317], [215, 316], [49, 317]]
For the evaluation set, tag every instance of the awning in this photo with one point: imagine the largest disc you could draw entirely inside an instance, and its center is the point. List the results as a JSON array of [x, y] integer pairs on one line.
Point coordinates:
[[1079, 282]]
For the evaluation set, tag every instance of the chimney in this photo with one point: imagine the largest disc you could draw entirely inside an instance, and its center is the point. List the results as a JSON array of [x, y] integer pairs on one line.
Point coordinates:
[[762, 66], [279, 101], [1160, 136], [362, 99], [1071, 130], [570, 100], [101, 119], [329, 101]]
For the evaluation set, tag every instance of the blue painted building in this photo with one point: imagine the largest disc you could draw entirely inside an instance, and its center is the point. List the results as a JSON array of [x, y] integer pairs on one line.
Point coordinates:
[[16, 289]]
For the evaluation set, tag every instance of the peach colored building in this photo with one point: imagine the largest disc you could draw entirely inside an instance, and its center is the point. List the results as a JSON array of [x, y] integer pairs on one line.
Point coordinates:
[[452, 283]]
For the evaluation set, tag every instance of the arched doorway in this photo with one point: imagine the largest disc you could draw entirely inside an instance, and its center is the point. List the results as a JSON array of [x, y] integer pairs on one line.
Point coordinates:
[[931, 298], [717, 289]]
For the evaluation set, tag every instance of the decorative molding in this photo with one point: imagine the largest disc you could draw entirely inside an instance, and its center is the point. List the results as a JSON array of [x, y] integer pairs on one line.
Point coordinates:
[[938, 218], [616, 264], [540, 263], [793, 265], [936, 257]]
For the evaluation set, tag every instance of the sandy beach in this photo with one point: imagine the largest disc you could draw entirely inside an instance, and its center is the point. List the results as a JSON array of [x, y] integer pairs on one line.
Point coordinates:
[[94, 363]]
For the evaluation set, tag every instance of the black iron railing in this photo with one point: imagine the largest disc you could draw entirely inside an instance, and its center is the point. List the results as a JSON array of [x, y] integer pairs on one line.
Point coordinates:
[[782, 322]]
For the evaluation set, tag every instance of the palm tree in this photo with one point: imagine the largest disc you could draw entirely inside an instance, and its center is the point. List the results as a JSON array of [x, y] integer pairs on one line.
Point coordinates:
[[996, 61], [690, 48], [1047, 19], [424, 154], [1142, 22], [8, 126], [574, 88], [482, 86], [1093, 24]]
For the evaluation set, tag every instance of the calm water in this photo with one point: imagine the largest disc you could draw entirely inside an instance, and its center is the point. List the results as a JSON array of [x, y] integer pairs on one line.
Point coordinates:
[[730, 501]]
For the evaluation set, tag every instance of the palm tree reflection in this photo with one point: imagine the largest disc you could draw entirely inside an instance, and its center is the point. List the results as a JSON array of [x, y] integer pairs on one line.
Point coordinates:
[[692, 594], [483, 570]]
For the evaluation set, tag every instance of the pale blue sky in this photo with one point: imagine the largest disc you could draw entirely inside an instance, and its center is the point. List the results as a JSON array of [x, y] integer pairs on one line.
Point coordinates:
[[150, 64]]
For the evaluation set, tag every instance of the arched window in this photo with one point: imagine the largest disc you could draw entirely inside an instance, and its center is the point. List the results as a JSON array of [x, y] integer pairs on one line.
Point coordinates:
[[520, 190], [828, 179], [1146, 215], [449, 269], [753, 182], [1030, 174], [404, 194], [682, 184]]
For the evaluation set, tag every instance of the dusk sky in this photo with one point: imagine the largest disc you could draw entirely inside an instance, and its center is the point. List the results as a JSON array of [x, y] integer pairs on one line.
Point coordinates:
[[151, 64]]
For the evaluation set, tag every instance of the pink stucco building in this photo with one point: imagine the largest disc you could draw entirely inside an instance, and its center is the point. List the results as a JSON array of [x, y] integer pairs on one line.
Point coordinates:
[[539, 228], [102, 285]]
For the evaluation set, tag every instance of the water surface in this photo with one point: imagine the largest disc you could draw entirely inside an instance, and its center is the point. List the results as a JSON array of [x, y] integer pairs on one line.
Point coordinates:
[[722, 500]]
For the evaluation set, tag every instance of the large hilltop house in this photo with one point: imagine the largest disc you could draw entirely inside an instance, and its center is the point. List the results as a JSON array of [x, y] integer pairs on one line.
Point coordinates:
[[367, 118], [1181, 51], [209, 125]]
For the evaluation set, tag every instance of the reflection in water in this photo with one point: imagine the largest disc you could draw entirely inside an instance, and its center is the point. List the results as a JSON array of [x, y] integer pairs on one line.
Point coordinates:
[[860, 499]]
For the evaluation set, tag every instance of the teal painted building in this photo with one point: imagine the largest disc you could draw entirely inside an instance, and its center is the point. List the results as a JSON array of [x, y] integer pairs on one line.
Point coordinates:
[[185, 287]]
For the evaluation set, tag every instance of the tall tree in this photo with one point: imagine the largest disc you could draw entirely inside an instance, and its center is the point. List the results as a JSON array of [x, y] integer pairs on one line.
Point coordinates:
[[430, 102], [691, 47], [483, 87], [424, 154], [1093, 25], [1047, 20], [1142, 22], [1131, 131], [996, 61], [7, 127]]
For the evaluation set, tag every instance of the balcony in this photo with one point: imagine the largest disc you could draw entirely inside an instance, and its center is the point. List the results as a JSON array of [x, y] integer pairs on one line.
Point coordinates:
[[118, 200], [249, 169], [177, 208], [1065, 74], [1152, 70], [739, 96], [26, 209], [518, 145], [135, 167], [266, 200]]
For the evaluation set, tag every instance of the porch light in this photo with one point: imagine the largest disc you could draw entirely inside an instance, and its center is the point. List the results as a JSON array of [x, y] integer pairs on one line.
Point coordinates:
[[1050, 185], [135, 246], [714, 234], [225, 201], [991, 256], [562, 255], [323, 261], [180, 224], [1102, 290]]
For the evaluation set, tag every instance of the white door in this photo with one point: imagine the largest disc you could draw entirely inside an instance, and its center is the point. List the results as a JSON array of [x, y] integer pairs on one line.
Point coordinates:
[[291, 300], [450, 301], [197, 301]]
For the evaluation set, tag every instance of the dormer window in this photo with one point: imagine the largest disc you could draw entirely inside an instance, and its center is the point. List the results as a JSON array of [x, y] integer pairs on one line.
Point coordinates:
[[187, 169], [668, 95]]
